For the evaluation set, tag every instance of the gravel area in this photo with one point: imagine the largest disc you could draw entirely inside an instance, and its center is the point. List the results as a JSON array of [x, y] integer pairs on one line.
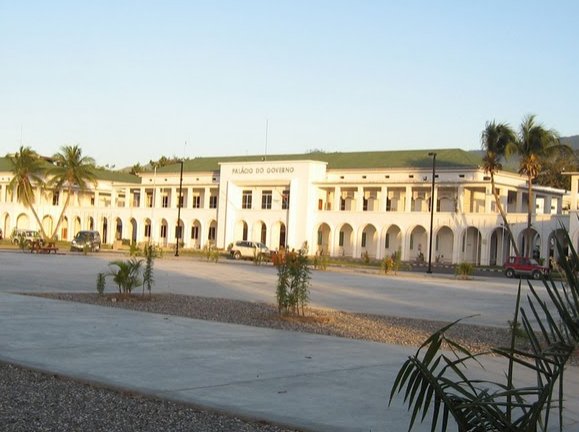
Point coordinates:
[[377, 328], [30, 399]]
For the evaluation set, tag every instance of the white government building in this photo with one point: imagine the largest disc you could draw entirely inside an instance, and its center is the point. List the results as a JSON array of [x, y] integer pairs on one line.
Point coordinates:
[[344, 204]]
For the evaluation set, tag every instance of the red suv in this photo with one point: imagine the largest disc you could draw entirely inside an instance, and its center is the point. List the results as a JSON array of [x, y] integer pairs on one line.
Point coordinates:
[[524, 266]]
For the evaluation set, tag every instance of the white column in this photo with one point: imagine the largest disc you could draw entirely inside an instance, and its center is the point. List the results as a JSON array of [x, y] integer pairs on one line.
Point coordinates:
[[408, 200], [206, 195], [383, 199], [489, 198], [359, 197]]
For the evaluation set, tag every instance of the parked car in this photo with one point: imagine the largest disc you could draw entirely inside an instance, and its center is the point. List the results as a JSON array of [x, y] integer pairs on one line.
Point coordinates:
[[28, 236], [249, 249], [89, 239], [524, 266]]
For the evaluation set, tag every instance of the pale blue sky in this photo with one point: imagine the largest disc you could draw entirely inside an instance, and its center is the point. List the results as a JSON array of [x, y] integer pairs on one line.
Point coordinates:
[[131, 81]]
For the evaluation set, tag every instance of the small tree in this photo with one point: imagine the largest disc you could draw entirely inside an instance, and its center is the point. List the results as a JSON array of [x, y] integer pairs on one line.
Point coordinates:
[[126, 274], [293, 282], [148, 278]]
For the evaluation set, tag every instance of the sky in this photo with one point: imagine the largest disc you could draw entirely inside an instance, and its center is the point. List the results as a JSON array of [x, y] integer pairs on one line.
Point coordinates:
[[131, 81]]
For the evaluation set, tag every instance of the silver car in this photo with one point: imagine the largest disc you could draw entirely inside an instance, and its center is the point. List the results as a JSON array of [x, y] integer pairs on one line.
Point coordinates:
[[249, 249], [86, 239]]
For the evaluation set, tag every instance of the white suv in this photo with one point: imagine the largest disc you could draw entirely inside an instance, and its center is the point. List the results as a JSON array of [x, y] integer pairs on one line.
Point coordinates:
[[249, 249], [25, 235]]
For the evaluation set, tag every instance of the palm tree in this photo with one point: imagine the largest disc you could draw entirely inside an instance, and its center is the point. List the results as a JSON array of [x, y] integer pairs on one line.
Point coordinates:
[[71, 170], [126, 274], [495, 139], [28, 170], [534, 145]]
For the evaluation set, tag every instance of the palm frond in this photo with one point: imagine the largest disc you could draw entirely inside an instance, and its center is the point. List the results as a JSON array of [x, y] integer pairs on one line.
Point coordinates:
[[434, 380]]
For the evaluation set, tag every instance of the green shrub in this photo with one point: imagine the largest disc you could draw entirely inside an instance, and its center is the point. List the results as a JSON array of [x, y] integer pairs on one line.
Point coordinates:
[[464, 270], [100, 284], [126, 274], [293, 282], [211, 253], [392, 263]]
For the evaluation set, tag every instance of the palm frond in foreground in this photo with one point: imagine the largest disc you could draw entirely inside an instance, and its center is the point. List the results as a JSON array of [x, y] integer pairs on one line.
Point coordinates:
[[434, 380]]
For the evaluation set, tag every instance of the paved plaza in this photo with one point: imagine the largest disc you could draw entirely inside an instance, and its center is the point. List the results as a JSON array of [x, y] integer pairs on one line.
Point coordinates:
[[311, 382]]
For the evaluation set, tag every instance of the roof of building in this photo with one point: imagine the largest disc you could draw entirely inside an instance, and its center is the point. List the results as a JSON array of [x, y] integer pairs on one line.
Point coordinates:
[[118, 176], [5, 164], [445, 158], [101, 174]]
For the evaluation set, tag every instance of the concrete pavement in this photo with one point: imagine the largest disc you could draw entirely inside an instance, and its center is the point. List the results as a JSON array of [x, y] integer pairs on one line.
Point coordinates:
[[310, 382], [436, 297]]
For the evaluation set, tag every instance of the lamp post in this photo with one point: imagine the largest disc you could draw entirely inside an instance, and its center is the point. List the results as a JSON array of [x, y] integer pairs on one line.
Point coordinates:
[[178, 229], [432, 204]]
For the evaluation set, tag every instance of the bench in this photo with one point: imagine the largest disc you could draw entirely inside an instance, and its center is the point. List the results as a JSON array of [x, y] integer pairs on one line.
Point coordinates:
[[37, 247]]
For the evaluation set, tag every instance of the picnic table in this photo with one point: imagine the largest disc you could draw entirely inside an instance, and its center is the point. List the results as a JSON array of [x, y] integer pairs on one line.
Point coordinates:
[[41, 247]]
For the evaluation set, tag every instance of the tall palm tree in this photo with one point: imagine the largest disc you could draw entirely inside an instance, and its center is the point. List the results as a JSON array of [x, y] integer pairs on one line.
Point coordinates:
[[71, 171], [495, 139], [28, 170], [533, 146]]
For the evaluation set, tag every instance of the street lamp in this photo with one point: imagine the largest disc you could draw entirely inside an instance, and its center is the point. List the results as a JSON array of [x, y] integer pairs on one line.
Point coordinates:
[[432, 204], [178, 228]]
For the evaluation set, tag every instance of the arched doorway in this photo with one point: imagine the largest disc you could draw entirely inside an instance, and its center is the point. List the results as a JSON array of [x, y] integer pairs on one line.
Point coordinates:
[[241, 231], [500, 246], [64, 229], [133, 223], [47, 225], [471, 245], [346, 240], [77, 225], [105, 230], [179, 230], [443, 246], [278, 235], [22, 221], [6, 226], [533, 249], [282, 236], [119, 229], [147, 227], [212, 233], [417, 244], [260, 232], [369, 241], [324, 235], [392, 240], [163, 232], [196, 234]]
